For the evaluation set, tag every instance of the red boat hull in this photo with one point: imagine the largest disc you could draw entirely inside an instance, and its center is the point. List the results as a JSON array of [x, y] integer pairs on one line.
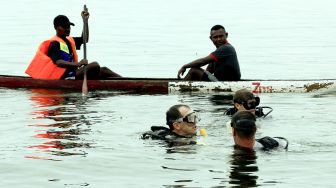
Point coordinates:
[[123, 84]]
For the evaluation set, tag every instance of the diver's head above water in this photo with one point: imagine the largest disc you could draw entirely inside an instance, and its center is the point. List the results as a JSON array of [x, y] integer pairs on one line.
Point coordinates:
[[182, 120], [245, 100]]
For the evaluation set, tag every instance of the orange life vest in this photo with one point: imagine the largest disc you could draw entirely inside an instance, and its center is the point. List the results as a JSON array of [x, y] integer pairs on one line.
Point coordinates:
[[42, 66]]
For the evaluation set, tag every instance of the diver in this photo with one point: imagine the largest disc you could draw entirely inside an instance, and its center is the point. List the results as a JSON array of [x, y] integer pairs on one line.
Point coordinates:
[[181, 120], [245, 100], [244, 127]]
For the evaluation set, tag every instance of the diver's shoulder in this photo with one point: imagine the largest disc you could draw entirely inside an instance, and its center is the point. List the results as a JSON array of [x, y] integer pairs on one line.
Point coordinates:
[[269, 143], [157, 132]]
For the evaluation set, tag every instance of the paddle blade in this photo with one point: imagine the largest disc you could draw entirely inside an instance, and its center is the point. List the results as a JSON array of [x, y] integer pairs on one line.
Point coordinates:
[[85, 89]]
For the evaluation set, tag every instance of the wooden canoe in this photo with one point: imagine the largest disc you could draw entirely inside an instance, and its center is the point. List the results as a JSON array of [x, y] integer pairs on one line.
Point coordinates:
[[167, 85]]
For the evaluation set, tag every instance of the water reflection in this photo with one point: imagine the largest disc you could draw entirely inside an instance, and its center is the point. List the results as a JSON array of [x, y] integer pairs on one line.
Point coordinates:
[[62, 137], [243, 168], [188, 149], [219, 102], [221, 99], [328, 93]]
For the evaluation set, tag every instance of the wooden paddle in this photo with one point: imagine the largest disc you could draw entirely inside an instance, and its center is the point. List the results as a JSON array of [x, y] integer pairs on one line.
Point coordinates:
[[85, 89]]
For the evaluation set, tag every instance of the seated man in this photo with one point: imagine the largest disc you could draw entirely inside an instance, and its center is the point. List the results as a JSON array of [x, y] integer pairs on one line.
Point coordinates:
[[57, 58], [244, 129], [181, 120], [222, 63], [245, 100]]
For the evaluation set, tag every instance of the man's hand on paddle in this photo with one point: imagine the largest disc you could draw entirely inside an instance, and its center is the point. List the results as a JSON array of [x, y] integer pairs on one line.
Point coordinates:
[[85, 14], [181, 72], [82, 62]]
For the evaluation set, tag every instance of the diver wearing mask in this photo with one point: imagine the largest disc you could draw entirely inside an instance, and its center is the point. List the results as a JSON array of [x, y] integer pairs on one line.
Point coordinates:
[[244, 130], [245, 100], [181, 120]]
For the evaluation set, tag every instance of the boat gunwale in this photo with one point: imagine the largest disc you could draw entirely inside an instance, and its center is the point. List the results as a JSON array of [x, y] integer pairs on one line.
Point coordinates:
[[171, 79], [169, 85]]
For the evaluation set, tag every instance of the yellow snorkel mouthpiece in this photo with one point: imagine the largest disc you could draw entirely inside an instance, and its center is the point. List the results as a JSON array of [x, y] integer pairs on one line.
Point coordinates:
[[203, 132]]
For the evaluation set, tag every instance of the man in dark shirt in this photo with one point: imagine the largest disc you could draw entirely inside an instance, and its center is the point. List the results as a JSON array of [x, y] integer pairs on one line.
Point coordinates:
[[74, 70], [222, 63]]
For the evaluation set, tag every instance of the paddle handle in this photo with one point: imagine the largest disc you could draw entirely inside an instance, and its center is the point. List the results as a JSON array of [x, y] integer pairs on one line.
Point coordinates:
[[85, 26]]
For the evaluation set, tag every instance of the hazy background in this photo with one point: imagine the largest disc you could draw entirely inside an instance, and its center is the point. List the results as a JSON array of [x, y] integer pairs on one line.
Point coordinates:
[[146, 38], [58, 139]]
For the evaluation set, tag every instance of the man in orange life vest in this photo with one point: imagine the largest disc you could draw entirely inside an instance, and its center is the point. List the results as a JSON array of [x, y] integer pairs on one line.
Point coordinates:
[[56, 58]]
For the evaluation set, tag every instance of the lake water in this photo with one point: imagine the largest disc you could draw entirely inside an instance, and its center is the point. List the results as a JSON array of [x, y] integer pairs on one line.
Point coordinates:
[[59, 139]]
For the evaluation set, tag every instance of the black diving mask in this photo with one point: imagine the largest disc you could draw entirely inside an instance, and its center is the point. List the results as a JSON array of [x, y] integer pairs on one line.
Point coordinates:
[[251, 104], [190, 118]]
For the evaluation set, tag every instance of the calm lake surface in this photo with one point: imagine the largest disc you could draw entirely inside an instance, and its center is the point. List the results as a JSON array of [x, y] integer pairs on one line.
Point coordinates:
[[60, 139]]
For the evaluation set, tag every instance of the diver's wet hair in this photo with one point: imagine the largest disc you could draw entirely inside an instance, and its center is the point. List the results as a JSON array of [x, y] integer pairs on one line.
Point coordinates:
[[173, 114], [242, 95], [244, 124]]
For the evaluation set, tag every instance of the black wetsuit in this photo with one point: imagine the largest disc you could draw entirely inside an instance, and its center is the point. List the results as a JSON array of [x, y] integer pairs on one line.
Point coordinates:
[[269, 143], [164, 133], [259, 111]]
